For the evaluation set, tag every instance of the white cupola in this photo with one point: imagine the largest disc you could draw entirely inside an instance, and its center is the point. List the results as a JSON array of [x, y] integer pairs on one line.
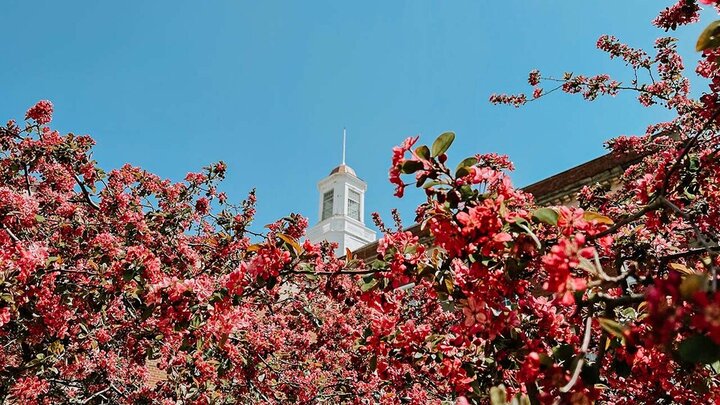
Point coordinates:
[[341, 210]]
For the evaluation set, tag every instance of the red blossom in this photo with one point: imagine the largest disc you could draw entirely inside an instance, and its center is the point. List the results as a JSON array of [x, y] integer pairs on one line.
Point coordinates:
[[515, 100], [40, 112], [534, 77], [398, 158], [681, 13], [4, 316]]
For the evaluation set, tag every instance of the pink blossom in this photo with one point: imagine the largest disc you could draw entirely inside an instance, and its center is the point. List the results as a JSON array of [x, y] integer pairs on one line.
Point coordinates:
[[40, 112]]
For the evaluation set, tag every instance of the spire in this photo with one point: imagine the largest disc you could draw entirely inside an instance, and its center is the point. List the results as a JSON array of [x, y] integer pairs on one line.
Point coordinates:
[[341, 209], [344, 136]]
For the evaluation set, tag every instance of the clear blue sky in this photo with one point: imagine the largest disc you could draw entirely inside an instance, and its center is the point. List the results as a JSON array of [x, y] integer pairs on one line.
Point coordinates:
[[267, 86]]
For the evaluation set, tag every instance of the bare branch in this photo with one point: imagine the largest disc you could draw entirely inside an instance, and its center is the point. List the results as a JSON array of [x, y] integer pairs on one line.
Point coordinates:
[[12, 235], [85, 192], [581, 361], [27, 180]]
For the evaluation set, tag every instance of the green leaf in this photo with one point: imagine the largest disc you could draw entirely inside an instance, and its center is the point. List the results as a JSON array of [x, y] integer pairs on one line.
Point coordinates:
[[269, 283], [693, 162], [411, 166], [372, 365], [56, 347], [563, 353], [449, 286], [699, 349], [546, 215], [51, 259], [128, 275], [434, 183], [442, 143], [462, 172], [423, 152], [599, 218], [147, 313], [471, 161], [708, 39], [369, 285], [693, 283], [39, 218], [498, 395], [291, 242], [682, 269], [467, 191], [612, 327], [448, 306]]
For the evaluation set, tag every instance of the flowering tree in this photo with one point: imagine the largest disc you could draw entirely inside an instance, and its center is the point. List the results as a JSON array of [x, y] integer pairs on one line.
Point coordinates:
[[615, 300], [106, 278]]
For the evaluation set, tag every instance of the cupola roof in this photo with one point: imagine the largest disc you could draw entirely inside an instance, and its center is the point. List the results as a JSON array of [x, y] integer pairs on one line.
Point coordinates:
[[343, 168]]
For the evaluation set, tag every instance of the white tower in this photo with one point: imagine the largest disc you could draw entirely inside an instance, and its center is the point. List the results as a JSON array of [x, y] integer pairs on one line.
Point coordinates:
[[341, 210]]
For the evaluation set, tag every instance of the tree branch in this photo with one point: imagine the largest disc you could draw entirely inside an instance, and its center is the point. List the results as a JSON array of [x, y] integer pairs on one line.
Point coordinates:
[[614, 301], [687, 253], [9, 232], [85, 192], [703, 238], [690, 143], [627, 220], [27, 180], [583, 351], [333, 273]]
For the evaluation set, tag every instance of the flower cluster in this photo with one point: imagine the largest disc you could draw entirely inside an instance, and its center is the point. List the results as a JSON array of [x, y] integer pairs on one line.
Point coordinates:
[[398, 159], [636, 58], [40, 112], [681, 13], [515, 100]]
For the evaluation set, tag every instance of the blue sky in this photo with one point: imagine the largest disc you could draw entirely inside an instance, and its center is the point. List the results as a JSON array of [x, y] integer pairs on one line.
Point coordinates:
[[267, 86]]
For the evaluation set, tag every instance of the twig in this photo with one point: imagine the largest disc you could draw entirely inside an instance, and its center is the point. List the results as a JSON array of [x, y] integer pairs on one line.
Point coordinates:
[[27, 180], [702, 237], [626, 220], [603, 340], [614, 301], [604, 276], [581, 361], [122, 394], [85, 192], [690, 143], [687, 253], [12, 235], [72, 271], [99, 393], [638, 89], [333, 273]]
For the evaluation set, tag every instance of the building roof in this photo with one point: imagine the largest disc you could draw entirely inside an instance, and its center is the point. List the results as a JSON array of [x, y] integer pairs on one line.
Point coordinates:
[[343, 168], [599, 170]]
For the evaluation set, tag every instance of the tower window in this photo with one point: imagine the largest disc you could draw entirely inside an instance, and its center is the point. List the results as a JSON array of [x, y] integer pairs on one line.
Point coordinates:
[[353, 204], [327, 209]]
